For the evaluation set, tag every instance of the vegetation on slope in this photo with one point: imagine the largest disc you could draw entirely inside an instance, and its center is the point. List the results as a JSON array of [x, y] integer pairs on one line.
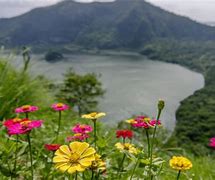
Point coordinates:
[[195, 117]]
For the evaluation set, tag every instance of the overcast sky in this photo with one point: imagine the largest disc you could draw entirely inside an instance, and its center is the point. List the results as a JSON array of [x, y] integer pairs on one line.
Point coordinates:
[[200, 10]]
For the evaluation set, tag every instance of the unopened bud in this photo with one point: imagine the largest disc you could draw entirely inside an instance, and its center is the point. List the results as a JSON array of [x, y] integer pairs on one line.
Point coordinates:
[[161, 104]]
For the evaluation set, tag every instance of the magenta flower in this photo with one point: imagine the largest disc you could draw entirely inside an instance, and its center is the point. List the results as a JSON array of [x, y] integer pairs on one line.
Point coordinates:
[[11, 122], [60, 107], [78, 136], [82, 128], [212, 142], [24, 126], [26, 109], [143, 122], [153, 122]]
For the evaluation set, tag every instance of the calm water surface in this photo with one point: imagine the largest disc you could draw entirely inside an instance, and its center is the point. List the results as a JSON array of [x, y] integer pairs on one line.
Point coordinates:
[[133, 84]]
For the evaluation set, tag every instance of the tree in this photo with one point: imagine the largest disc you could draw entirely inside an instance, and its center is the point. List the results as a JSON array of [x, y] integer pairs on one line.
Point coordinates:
[[82, 91]]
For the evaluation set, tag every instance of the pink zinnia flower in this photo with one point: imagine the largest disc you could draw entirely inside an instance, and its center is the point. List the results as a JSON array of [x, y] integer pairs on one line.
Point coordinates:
[[82, 128], [24, 126], [144, 122], [60, 107], [11, 122], [78, 136], [26, 109], [52, 147], [212, 142], [153, 122]]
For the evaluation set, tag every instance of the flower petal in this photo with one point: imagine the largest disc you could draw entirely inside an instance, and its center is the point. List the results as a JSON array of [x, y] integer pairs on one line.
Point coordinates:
[[78, 147], [90, 151], [64, 167], [65, 149], [80, 168], [72, 169], [57, 159], [86, 162]]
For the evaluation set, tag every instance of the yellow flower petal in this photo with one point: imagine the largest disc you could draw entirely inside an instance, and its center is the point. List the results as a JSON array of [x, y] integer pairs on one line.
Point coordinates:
[[58, 165], [57, 159], [80, 168], [119, 146], [79, 147], [65, 149], [61, 153], [72, 169], [64, 167], [86, 162], [90, 151]]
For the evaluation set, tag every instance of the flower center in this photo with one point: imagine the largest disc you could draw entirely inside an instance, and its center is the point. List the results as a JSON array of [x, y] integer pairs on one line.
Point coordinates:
[[126, 146], [25, 123], [82, 127], [17, 120], [59, 105], [93, 114], [77, 134], [26, 107], [74, 158]]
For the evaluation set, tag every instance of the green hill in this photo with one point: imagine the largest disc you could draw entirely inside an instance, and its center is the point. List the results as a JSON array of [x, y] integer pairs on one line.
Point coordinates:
[[120, 24]]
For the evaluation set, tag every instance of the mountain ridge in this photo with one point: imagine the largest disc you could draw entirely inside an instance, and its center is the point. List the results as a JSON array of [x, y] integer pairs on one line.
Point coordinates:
[[119, 24]]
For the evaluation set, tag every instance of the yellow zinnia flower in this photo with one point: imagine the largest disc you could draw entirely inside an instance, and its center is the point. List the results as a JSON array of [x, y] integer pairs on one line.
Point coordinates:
[[126, 147], [98, 164], [76, 157], [93, 115], [180, 163]]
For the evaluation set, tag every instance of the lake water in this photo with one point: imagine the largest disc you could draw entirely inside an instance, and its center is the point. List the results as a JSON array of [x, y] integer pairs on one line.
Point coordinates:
[[133, 84]]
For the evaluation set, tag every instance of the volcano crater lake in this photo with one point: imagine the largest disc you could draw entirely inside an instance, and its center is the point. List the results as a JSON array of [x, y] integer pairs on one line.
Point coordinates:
[[133, 84]]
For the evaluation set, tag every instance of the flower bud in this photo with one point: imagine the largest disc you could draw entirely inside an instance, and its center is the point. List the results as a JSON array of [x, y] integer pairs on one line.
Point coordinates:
[[161, 104]]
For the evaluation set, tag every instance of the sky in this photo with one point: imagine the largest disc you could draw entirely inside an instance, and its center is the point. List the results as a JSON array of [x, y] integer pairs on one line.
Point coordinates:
[[199, 10]]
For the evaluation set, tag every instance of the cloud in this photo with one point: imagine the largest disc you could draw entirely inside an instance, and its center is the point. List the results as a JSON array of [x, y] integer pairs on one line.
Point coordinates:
[[201, 10]]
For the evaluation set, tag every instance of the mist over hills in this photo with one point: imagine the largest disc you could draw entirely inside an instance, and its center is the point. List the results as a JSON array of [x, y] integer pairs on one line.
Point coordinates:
[[120, 24]]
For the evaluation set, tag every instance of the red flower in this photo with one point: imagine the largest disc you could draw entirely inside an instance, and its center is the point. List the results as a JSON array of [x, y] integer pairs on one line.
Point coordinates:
[[52, 147], [124, 134]]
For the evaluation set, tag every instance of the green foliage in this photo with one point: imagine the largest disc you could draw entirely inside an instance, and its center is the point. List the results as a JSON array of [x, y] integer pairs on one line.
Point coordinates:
[[82, 91], [17, 88]]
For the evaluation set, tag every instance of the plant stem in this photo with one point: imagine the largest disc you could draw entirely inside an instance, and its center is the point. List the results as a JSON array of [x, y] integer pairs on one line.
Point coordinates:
[[121, 164], [14, 168], [134, 169], [92, 176], [153, 138], [179, 173], [76, 175], [59, 121], [30, 149], [26, 115], [148, 142], [95, 136]]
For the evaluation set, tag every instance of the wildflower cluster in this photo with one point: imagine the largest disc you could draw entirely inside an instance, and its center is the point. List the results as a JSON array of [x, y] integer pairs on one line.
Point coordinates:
[[87, 153]]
